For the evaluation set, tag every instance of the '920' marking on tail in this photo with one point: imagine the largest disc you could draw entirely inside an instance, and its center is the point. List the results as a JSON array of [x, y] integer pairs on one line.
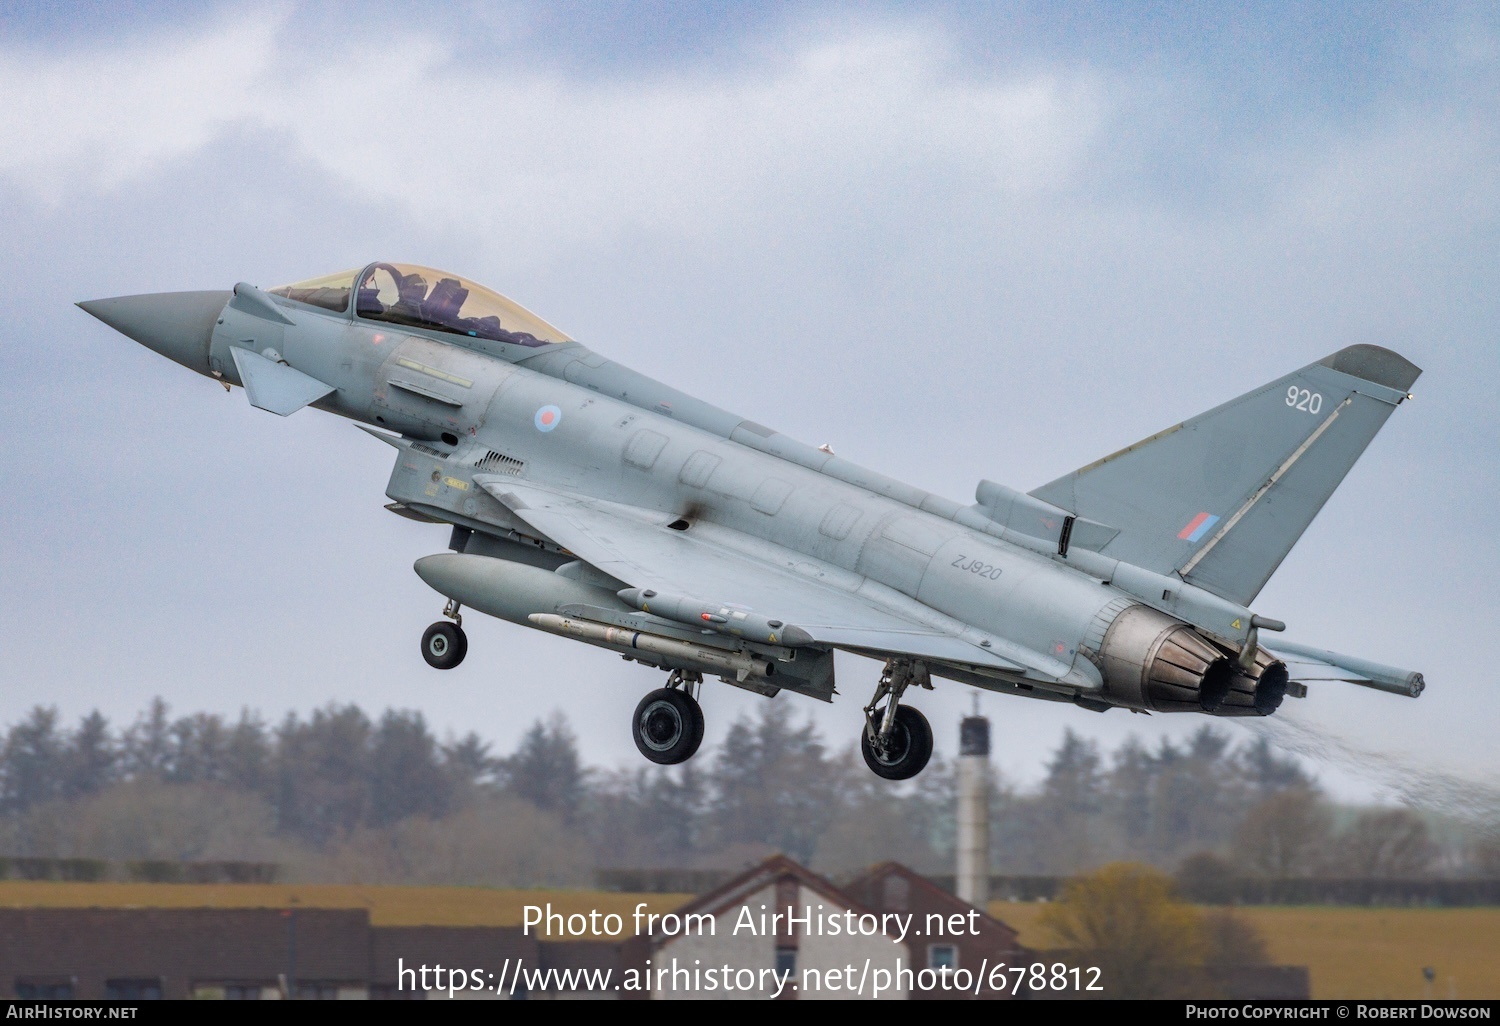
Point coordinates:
[[1302, 399]]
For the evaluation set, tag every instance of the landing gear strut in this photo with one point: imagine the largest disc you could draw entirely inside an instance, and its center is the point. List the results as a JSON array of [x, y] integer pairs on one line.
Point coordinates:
[[445, 644], [897, 739], [668, 723]]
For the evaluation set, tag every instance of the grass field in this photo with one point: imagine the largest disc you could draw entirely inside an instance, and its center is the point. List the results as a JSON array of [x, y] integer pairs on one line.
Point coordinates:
[[1359, 952]]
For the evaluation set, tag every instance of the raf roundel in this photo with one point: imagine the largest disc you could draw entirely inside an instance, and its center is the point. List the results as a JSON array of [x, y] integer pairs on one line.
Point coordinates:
[[547, 418]]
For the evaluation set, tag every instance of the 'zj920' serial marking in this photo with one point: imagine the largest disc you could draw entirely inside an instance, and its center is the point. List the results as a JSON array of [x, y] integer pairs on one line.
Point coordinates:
[[974, 566]]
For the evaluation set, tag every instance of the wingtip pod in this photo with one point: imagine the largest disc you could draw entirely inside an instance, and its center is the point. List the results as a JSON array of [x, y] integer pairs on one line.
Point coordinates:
[[1374, 363], [1314, 664], [1410, 686]]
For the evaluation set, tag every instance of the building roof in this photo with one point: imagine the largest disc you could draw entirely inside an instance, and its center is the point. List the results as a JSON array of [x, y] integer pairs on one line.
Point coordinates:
[[920, 895], [386, 905], [179, 950], [256, 944], [734, 892]]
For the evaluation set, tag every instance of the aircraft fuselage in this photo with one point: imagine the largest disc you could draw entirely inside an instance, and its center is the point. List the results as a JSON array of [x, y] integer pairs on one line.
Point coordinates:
[[504, 426]]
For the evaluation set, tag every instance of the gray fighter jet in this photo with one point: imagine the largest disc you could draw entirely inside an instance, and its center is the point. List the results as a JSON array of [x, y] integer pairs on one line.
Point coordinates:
[[595, 503]]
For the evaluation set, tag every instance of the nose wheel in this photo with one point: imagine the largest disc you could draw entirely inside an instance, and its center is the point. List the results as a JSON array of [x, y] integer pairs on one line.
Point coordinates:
[[668, 723], [445, 644]]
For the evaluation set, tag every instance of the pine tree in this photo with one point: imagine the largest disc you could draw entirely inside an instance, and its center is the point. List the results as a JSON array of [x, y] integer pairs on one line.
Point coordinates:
[[546, 769], [406, 776], [32, 762], [90, 759]]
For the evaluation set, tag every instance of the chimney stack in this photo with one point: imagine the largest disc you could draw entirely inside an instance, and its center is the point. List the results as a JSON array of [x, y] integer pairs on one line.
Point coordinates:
[[974, 810]]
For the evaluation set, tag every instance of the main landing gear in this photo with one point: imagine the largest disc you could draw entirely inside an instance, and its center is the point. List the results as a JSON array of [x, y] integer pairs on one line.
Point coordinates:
[[897, 739], [445, 644], [668, 724]]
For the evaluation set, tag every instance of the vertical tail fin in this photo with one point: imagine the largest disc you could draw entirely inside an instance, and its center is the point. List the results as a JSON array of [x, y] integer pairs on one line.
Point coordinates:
[[1222, 498]]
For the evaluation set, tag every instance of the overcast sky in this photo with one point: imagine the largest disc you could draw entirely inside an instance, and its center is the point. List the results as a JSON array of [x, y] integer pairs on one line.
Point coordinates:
[[956, 242]]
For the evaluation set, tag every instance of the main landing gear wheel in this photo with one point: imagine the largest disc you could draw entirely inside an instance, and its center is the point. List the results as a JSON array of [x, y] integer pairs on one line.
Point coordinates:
[[444, 645], [906, 750], [668, 726], [897, 740]]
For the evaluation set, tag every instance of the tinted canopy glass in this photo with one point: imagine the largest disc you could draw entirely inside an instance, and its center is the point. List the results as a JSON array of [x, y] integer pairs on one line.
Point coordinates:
[[331, 291], [420, 297]]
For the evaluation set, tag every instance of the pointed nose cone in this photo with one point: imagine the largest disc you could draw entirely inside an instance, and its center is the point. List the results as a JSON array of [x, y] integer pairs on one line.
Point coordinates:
[[178, 325]]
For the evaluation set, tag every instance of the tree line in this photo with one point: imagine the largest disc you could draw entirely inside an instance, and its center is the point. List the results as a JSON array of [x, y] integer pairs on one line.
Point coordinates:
[[342, 795], [1209, 807]]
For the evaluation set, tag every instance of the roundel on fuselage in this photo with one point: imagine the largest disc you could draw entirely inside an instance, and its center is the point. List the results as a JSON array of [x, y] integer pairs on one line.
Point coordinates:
[[547, 418]]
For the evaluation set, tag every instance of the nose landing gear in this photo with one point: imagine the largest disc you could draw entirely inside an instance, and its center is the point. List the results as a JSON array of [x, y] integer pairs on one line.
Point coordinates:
[[444, 644], [668, 722], [897, 739]]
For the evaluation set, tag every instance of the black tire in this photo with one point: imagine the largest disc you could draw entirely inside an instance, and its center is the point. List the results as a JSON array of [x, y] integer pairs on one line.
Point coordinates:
[[444, 645], [910, 748], [697, 728], [667, 726]]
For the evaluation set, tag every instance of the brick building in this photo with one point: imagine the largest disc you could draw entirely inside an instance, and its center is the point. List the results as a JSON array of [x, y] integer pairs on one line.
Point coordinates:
[[132, 953], [140, 954], [955, 934], [819, 954]]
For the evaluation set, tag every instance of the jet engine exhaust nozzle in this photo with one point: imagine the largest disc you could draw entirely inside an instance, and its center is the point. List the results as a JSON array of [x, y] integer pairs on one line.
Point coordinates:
[[1258, 692], [1154, 662]]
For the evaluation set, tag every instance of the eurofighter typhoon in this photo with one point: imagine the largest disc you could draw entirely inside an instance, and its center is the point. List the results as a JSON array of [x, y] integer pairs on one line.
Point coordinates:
[[594, 503]]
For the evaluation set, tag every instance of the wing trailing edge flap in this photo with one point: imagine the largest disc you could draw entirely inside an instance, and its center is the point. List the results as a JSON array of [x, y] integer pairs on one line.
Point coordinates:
[[913, 641], [276, 387], [1306, 665], [635, 546]]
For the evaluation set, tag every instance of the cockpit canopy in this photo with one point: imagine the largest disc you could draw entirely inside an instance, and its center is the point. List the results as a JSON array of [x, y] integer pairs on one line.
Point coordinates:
[[331, 291], [421, 297]]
